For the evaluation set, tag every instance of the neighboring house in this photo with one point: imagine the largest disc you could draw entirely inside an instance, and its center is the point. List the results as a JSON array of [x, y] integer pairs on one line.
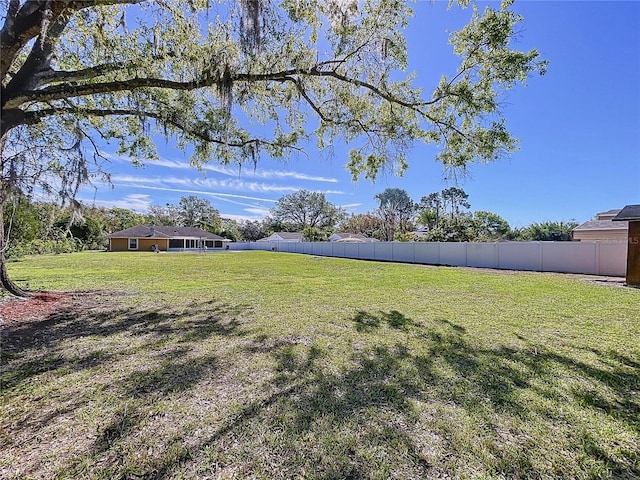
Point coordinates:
[[420, 232], [350, 238], [602, 228], [283, 237], [608, 215], [145, 239]]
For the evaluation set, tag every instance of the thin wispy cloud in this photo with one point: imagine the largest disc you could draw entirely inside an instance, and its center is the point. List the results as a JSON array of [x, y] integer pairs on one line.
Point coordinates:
[[236, 202], [275, 174], [253, 213], [137, 202], [198, 192], [137, 179], [238, 185], [243, 186], [258, 212], [240, 217], [241, 189], [226, 170]]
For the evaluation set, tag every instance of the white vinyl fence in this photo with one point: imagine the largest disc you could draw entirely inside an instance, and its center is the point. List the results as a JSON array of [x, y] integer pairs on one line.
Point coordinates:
[[592, 258]]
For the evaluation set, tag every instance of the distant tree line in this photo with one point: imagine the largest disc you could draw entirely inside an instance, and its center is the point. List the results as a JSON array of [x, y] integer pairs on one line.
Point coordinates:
[[445, 216], [40, 227]]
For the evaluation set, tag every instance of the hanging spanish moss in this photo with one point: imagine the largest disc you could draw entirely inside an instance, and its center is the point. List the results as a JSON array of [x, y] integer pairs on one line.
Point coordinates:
[[75, 173], [252, 151], [225, 90], [250, 23], [383, 47], [47, 15]]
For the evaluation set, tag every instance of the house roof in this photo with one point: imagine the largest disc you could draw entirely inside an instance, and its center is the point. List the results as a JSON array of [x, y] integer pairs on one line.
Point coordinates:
[[608, 215], [601, 225], [283, 236], [289, 235], [351, 235], [613, 211], [143, 231], [628, 213]]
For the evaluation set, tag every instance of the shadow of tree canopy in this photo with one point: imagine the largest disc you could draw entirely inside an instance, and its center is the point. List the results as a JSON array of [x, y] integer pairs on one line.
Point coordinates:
[[459, 411], [367, 321], [452, 407], [35, 347]]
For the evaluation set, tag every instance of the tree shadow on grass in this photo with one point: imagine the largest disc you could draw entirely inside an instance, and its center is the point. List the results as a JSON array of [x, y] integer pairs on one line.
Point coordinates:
[[176, 374], [454, 407], [368, 321], [389, 410], [36, 347], [121, 358]]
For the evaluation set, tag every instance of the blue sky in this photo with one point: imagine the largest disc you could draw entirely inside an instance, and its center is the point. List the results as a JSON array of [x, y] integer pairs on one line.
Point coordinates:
[[579, 131]]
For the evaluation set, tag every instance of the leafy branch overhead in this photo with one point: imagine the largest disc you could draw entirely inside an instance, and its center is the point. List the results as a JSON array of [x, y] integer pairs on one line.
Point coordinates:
[[235, 79]]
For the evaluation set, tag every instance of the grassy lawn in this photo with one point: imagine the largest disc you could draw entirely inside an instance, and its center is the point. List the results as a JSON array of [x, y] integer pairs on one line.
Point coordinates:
[[272, 365]]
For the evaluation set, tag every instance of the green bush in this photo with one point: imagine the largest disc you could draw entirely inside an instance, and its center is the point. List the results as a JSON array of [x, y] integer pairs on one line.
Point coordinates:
[[43, 247]]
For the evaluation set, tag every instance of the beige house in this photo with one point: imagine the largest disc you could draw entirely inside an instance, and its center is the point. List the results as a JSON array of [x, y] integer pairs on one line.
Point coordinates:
[[164, 239], [602, 228]]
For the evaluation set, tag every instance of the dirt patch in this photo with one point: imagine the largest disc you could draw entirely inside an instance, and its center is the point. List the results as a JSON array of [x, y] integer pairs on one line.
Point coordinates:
[[20, 310], [23, 314], [607, 281], [23, 320]]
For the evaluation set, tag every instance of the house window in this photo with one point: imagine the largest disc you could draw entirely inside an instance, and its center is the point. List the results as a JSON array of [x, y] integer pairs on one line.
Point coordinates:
[[133, 244], [218, 244]]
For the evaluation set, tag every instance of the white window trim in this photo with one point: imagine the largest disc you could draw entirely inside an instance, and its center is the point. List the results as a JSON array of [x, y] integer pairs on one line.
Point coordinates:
[[129, 243]]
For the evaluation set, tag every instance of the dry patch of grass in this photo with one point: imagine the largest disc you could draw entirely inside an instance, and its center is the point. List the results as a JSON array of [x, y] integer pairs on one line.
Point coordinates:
[[266, 365]]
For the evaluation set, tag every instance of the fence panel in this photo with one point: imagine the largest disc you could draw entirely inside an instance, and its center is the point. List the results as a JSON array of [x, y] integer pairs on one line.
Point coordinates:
[[339, 249], [427, 253], [519, 256], [454, 254], [352, 250], [383, 251], [367, 251], [612, 258], [239, 246], [483, 255], [569, 257], [326, 249], [403, 252], [593, 258]]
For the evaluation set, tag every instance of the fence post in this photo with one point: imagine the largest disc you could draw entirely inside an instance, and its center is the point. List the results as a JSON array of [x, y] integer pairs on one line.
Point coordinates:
[[466, 254], [540, 256]]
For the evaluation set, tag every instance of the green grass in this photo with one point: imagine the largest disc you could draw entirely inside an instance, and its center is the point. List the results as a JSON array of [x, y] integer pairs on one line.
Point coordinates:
[[271, 365]]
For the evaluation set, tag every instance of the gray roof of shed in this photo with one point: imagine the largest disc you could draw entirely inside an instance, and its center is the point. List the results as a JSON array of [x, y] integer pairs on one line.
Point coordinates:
[[628, 213], [143, 231]]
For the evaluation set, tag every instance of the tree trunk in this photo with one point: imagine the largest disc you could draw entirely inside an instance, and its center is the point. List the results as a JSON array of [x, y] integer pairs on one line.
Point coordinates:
[[5, 282]]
